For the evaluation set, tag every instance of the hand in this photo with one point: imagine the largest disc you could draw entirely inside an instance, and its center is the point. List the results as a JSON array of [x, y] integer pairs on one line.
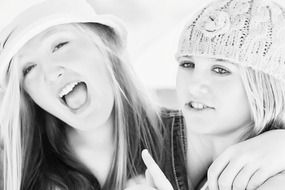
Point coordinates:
[[135, 181], [249, 164], [154, 177]]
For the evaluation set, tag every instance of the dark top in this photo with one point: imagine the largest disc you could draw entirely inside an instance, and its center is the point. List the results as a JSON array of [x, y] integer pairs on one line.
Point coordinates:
[[174, 164]]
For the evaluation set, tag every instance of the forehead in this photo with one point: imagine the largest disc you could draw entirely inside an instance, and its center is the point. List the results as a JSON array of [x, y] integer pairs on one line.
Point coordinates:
[[43, 37], [205, 59]]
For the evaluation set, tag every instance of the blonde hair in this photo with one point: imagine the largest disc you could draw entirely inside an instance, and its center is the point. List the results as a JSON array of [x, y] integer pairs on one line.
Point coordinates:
[[11, 135], [266, 96], [128, 93], [137, 124]]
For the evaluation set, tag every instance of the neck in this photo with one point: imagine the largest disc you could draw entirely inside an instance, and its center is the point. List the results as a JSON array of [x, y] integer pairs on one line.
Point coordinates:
[[203, 149], [94, 149], [98, 139]]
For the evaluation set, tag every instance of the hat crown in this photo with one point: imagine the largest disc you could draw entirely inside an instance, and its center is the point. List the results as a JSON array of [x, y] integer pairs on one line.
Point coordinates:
[[246, 32], [11, 10], [16, 13]]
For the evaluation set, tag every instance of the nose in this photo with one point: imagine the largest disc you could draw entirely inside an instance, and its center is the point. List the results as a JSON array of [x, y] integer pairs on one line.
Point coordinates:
[[53, 73], [198, 86], [197, 90]]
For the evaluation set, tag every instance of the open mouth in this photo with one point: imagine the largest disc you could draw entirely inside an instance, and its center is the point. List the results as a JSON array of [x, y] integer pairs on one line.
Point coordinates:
[[74, 95], [197, 106]]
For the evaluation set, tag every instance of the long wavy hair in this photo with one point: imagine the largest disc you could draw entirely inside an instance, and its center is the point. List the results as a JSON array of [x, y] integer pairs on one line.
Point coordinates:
[[266, 96], [37, 154]]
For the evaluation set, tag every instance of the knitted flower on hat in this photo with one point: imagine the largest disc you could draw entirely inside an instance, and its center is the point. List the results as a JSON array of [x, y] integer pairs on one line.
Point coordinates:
[[245, 32]]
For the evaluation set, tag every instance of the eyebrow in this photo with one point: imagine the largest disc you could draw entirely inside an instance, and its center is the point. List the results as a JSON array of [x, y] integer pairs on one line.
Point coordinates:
[[52, 32], [214, 59], [184, 56], [219, 60]]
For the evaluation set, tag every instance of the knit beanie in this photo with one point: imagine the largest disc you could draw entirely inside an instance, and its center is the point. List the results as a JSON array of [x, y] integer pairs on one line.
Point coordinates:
[[246, 32], [18, 26]]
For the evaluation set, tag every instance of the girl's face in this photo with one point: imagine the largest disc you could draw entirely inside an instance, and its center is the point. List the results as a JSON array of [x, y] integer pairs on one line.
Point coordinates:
[[65, 73], [212, 96]]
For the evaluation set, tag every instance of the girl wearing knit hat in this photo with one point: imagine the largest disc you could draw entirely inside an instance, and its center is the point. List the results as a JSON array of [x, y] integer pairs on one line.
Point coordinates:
[[231, 87], [72, 115]]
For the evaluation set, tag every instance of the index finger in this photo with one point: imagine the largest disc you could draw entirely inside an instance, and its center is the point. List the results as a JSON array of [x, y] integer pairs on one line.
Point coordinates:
[[217, 168], [158, 177]]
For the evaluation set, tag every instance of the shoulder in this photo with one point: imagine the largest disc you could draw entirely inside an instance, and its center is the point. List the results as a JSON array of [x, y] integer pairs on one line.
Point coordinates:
[[170, 114], [175, 148], [172, 119], [174, 128]]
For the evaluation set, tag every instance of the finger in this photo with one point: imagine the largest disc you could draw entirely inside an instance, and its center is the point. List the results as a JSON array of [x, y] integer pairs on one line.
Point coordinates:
[[259, 177], [139, 179], [226, 178], [130, 183], [158, 177], [216, 169], [243, 177], [275, 182], [149, 179]]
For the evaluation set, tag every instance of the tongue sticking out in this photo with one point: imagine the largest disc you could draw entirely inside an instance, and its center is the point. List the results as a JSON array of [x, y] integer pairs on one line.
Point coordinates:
[[77, 97]]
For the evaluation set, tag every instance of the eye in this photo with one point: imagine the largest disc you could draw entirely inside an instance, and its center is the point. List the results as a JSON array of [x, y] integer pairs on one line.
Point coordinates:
[[58, 46], [28, 69], [220, 70], [187, 64]]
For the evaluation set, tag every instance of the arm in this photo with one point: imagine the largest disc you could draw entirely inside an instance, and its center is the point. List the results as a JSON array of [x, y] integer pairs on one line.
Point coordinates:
[[250, 163]]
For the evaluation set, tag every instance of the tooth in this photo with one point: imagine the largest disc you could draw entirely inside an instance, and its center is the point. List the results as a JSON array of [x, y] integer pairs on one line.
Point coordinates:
[[196, 105], [67, 89]]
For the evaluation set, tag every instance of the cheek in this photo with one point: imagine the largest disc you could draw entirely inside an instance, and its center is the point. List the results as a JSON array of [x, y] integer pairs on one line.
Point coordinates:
[[98, 75], [101, 82], [181, 83], [235, 103], [36, 92], [29, 88]]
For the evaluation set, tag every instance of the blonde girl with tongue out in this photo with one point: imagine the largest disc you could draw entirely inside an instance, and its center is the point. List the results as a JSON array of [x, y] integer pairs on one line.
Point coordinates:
[[72, 114]]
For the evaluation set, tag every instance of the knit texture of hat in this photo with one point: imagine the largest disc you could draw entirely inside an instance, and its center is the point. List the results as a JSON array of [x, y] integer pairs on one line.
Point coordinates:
[[245, 32]]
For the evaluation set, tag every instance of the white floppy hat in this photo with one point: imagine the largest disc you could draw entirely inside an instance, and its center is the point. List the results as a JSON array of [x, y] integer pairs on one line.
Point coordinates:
[[19, 26]]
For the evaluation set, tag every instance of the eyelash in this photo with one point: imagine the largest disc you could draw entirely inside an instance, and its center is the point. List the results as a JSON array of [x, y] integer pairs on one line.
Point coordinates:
[[58, 46], [221, 71], [28, 69], [187, 64], [216, 69]]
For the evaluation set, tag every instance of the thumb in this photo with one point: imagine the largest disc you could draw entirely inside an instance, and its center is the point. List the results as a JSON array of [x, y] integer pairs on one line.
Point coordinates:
[[155, 174]]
